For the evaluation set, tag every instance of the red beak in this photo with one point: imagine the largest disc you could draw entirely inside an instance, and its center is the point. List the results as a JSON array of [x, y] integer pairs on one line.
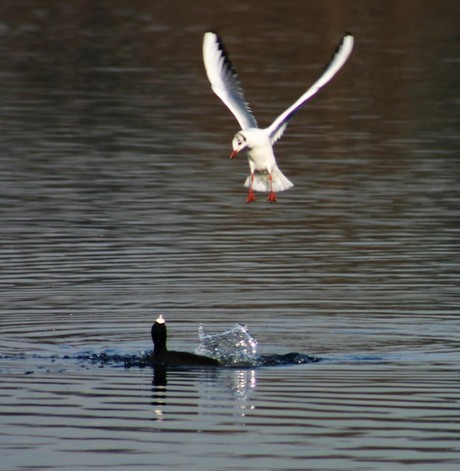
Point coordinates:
[[233, 154]]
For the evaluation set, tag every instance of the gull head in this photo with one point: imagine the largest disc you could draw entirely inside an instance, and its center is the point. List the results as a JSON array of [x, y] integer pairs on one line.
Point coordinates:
[[239, 143]]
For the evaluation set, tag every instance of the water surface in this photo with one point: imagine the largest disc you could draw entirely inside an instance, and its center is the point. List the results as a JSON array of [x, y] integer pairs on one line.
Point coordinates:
[[118, 202]]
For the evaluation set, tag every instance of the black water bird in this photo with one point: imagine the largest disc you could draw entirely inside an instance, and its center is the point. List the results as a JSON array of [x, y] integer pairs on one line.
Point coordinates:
[[161, 354]]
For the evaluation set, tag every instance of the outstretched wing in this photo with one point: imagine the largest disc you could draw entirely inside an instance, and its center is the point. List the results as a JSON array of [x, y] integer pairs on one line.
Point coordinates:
[[276, 129], [224, 80]]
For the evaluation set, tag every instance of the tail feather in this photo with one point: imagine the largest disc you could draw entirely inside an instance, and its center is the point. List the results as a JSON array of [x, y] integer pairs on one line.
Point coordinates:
[[262, 182]]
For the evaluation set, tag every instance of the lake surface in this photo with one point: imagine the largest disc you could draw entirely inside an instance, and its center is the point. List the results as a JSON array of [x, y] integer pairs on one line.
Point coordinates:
[[119, 202]]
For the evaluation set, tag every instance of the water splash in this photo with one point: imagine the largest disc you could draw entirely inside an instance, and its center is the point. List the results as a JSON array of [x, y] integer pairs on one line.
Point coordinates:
[[238, 347], [234, 347]]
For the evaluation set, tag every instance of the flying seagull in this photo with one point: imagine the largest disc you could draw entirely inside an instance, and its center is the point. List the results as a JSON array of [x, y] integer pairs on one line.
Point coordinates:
[[265, 175]]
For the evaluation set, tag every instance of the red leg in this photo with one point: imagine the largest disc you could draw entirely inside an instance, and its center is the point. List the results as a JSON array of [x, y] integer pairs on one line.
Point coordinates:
[[271, 195], [251, 198]]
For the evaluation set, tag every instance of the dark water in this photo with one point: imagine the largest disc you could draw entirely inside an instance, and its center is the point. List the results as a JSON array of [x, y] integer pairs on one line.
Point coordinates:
[[118, 201]]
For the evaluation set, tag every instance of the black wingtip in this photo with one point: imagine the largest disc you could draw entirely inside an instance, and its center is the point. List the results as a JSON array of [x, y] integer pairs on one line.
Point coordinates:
[[224, 51], [216, 34]]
